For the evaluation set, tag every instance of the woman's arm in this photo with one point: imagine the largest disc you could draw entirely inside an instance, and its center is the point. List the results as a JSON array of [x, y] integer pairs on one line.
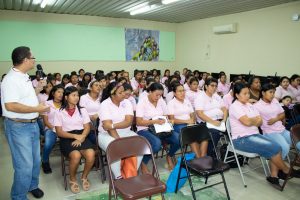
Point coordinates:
[[279, 117], [180, 121], [143, 122], [46, 122], [253, 121], [204, 117]]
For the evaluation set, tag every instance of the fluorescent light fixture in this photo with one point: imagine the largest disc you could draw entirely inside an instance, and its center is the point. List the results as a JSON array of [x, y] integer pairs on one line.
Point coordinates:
[[44, 3], [138, 6], [143, 9], [168, 1]]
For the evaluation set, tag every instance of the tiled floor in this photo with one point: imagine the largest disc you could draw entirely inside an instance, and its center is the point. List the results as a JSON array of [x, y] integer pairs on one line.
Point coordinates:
[[52, 184]]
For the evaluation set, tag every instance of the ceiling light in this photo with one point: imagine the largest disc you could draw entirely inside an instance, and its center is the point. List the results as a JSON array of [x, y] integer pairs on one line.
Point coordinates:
[[44, 3], [138, 6], [168, 1], [143, 9]]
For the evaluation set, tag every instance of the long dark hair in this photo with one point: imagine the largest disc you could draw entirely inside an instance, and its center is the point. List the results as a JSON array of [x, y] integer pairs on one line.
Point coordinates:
[[155, 86], [69, 90], [54, 89], [110, 90], [237, 88], [44, 88]]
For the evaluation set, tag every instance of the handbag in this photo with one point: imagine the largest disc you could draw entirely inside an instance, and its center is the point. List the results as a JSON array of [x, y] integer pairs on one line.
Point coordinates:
[[152, 130]]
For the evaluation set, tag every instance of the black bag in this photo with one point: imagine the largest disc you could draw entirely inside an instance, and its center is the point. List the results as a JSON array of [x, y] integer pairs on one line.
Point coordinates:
[[232, 163], [161, 134]]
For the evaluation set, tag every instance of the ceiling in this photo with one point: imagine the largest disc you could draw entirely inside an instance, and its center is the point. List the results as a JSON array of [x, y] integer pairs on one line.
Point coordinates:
[[182, 11]]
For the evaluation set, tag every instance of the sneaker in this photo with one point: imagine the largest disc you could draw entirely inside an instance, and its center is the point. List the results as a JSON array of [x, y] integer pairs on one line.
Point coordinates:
[[46, 168], [37, 193], [273, 180]]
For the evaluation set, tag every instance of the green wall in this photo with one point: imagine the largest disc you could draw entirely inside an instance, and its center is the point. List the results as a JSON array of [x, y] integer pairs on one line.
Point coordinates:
[[69, 42]]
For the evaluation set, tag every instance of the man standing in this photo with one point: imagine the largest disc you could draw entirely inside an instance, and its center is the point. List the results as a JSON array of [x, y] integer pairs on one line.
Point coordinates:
[[21, 109]]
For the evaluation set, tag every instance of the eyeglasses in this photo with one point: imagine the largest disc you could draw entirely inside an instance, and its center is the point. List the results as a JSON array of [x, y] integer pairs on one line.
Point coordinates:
[[213, 85], [32, 58]]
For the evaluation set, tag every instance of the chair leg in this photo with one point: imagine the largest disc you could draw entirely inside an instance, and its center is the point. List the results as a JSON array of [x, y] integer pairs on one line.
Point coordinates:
[[240, 169], [263, 162], [109, 192], [191, 184], [103, 177], [178, 177], [162, 196], [225, 185]]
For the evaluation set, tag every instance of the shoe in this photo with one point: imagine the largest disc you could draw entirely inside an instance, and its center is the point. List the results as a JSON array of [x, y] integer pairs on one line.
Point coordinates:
[[282, 175], [37, 193], [295, 173], [46, 168], [273, 180]]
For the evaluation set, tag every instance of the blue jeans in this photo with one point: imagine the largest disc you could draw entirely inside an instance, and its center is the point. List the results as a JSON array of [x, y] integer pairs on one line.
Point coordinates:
[[24, 143], [257, 143], [50, 139], [178, 127], [155, 143], [283, 139]]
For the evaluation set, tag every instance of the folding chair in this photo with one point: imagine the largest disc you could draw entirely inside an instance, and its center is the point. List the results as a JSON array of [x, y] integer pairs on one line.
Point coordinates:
[[203, 167], [230, 148], [140, 186], [295, 136]]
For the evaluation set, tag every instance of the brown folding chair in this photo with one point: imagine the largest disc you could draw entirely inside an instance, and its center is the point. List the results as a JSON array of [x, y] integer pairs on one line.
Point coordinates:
[[295, 137], [140, 186]]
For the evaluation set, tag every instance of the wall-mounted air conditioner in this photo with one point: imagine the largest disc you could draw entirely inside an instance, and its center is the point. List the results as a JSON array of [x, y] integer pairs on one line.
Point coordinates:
[[224, 29]]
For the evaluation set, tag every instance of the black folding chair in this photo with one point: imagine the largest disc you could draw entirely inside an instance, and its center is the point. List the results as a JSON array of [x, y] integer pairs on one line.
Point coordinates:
[[203, 167]]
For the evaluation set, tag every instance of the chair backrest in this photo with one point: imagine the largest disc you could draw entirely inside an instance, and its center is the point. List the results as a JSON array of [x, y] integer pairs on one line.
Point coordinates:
[[127, 147], [194, 133], [295, 134], [228, 128]]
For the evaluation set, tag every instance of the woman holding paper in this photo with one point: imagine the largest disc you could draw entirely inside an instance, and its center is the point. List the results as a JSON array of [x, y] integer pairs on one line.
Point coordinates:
[[211, 110], [116, 119], [148, 112], [182, 113]]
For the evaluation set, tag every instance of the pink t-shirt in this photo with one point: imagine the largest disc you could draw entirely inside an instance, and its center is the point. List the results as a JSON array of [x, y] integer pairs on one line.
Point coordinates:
[[146, 110], [57, 82], [133, 102], [192, 95], [92, 106], [51, 113], [134, 84], [34, 83], [224, 88], [42, 97], [280, 93], [180, 110], [238, 110], [70, 123], [201, 84], [110, 111], [227, 99], [295, 92], [186, 87], [143, 95], [169, 96], [163, 79], [268, 111], [70, 84], [211, 106], [182, 78]]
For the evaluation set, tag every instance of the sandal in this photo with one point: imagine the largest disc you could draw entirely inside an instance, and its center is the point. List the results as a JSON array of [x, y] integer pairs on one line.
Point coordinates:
[[74, 187], [85, 184]]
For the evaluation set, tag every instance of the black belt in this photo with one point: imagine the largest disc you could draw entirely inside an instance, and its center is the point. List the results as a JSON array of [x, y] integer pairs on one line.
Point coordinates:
[[24, 120]]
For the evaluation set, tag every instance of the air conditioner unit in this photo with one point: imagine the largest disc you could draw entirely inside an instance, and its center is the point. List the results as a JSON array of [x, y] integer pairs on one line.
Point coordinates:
[[224, 29]]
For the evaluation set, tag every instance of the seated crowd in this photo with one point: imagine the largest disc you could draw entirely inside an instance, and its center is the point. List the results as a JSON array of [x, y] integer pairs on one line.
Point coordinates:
[[115, 106]]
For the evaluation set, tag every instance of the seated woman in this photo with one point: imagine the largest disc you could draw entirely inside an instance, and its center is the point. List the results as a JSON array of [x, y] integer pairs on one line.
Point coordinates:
[[244, 121], [147, 108], [228, 98], [73, 81], [282, 90], [273, 116], [72, 125], [181, 112], [91, 103], [44, 94], [193, 92], [254, 88], [116, 118], [210, 108], [294, 87], [223, 87], [54, 102]]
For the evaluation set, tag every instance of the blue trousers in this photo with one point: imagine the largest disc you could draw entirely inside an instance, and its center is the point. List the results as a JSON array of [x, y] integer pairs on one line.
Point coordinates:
[[24, 143], [50, 139], [155, 143]]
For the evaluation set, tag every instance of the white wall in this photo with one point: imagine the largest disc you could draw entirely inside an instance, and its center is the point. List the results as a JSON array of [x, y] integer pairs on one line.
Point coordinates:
[[68, 66], [267, 41]]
